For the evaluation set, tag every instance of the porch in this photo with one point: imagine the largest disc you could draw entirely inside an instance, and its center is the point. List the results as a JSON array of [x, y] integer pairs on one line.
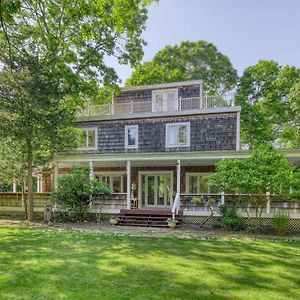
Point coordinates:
[[165, 182]]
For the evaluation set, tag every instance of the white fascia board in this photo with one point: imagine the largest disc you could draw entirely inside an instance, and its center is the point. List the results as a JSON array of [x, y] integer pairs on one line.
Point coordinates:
[[154, 156], [161, 114], [165, 156]]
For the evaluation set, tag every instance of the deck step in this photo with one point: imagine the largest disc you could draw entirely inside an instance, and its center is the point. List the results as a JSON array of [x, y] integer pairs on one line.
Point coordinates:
[[146, 218]]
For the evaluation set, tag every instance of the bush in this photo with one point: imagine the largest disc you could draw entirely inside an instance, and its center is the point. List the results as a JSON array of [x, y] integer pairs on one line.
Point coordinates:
[[230, 219], [281, 222], [74, 194]]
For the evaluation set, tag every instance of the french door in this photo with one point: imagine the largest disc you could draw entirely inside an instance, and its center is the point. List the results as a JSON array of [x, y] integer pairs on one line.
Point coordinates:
[[156, 190], [165, 100]]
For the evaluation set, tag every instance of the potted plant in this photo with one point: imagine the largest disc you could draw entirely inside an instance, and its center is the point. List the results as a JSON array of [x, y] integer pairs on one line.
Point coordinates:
[[113, 221], [171, 223]]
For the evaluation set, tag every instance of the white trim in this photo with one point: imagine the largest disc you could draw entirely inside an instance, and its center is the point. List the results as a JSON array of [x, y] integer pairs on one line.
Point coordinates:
[[165, 102], [162, 85], [128, 174], [188, 138], [157, 172], [136, 146], [111, 175], [238, 130], [199, 111], [178, 173], [293, 155], [187, 180], [86, 129]]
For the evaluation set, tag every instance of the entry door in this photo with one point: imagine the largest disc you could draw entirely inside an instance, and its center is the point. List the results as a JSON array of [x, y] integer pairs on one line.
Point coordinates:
[[157, 190], [164, 100]]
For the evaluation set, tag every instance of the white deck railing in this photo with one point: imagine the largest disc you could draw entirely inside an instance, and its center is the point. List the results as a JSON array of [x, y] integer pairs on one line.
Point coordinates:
[[181, 104], [175, 207]]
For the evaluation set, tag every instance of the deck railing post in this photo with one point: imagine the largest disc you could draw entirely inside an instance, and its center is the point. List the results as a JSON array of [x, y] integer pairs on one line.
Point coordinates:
[[268, 208], [14, 185], [222, 198]]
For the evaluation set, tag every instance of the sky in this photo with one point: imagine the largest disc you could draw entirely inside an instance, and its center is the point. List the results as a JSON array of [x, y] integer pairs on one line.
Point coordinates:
[[244, 30]]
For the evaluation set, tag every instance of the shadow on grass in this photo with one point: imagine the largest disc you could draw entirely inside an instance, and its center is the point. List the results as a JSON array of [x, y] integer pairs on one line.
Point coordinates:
[[48, 264]]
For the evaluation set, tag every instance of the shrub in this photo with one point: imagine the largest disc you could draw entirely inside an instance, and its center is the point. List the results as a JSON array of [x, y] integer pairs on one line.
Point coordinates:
[[75, 192], [230, 219], [281, 222]]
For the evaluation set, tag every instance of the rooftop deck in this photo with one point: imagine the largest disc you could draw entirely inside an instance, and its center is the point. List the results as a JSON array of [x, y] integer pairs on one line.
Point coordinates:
[[172, 105]]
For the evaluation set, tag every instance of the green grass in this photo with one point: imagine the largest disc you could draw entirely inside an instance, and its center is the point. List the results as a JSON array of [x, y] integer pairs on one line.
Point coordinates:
[[49, 264]]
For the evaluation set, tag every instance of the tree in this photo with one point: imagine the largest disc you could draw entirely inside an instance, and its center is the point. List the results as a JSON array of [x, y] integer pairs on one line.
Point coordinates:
[[75, 192], [188, 61], [267, 171], [268, 115], [52, 58], [152, 72]]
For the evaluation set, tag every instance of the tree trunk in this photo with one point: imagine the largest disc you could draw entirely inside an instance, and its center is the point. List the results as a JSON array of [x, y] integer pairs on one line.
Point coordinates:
[[24, 202], [30, 213]]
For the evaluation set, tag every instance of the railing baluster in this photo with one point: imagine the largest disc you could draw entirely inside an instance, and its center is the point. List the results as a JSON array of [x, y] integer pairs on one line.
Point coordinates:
[[131, 107]]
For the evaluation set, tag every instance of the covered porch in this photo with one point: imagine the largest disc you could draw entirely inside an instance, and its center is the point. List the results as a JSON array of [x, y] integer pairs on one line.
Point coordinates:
[[157, 181]]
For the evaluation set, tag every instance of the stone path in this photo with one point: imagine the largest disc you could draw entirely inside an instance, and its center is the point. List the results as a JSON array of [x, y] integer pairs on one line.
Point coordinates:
[[184, 231]]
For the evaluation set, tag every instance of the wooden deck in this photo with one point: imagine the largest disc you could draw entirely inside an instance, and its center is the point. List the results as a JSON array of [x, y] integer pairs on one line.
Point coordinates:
[[146, 217]]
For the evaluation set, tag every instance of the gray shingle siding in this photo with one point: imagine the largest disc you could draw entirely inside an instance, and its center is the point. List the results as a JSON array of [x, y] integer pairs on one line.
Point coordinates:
[[207, 133], [146, 95]]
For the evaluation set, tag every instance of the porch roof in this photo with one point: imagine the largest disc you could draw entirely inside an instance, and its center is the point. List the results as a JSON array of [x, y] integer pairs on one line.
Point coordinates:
[[163, 158]]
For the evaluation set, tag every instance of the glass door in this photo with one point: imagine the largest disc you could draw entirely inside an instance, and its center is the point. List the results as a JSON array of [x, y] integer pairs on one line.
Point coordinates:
[[157, 190]]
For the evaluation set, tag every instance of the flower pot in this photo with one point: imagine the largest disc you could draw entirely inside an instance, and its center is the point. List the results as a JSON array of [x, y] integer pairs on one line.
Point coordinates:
[[113, 221]]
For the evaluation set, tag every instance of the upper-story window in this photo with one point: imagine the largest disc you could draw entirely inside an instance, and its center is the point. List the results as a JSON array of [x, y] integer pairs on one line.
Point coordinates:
[[178, 134], [88, 139], [165, 100], [131, 136]]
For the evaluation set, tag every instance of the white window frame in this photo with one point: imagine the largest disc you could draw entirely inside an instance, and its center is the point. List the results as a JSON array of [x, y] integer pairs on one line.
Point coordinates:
[[187, 181], [188, 138], [165, 104], [111, 175], [136, 127], [95, 129]]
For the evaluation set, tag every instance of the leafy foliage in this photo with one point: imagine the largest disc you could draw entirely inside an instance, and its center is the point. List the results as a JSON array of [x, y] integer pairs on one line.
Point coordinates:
[[75, 192], [230, 219], [152, 72], [266, 171], [52, 60], [281, 222], [188, 61], [269, 96]]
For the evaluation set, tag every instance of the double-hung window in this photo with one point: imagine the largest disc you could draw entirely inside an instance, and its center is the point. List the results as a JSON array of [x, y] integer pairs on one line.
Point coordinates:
[[88, 139], [131, 136], [178, 134]]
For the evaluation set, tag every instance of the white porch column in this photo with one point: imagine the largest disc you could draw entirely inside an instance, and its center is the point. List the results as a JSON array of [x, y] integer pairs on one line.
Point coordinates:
[[128, 174], [56, 176], [14, 186], [91, 170], [38, 184], [178, 167]]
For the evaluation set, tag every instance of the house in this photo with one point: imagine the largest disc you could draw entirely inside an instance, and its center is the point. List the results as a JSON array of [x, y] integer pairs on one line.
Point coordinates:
[[155, 144]]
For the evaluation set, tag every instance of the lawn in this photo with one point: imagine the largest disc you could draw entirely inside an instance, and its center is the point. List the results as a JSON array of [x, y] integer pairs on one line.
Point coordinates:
[[50, 264]]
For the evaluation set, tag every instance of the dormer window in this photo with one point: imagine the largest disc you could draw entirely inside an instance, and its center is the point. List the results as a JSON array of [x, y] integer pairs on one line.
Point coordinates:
[[165, 100], [88, 139], [131, 136], [178, 134]]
